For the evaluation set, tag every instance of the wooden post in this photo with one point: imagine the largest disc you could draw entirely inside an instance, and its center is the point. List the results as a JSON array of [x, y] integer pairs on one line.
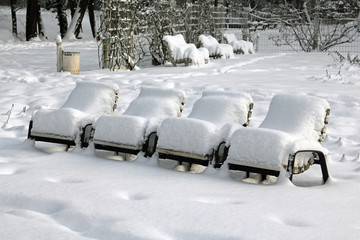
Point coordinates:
[[106, 53], [59, 53]]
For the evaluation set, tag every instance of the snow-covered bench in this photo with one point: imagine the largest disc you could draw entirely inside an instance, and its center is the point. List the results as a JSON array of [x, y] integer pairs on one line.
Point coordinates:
[[289, 137], [135, 129], [240, 46], [194, 139], [84, 105], [178, 51], [216, 50]]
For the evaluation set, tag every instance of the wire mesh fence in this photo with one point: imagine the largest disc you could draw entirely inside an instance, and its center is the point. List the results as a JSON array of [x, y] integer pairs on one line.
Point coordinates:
[[273, 39]]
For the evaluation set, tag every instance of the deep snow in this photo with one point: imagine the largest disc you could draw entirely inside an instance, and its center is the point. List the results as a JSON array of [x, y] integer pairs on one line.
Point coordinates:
[[46, 193]]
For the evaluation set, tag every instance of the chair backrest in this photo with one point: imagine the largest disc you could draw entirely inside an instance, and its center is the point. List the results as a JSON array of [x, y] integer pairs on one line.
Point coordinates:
[[223, 107], [230, 37], [179, 49], [92, 98], [208, 41], [301, 115], [157, 102], [174, 41]]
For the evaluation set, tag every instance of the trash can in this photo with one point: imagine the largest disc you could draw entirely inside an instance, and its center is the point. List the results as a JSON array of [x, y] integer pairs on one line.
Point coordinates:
[[71, 62]]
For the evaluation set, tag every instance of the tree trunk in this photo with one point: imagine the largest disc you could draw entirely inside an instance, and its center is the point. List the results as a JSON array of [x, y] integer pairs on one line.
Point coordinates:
[[61, 14], [358, 19], [72, 6], [13, 18], [83, 4], [316, 23], [308, 19], [91, 9], [32, 13], [41, 26], [75, 25], [246, 25]]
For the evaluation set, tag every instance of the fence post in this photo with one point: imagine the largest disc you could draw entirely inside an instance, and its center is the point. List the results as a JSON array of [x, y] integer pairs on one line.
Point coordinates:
[[59, 54], [257, 42], [106, 53]]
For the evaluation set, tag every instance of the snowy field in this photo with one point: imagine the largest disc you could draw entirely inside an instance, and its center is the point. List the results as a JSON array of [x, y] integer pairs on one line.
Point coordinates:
[[46, 193]]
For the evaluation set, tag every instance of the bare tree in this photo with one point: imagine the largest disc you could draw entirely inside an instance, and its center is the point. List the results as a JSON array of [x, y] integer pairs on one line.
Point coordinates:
[[123, 30], [61, 16], [91, 9], [13, 18], [34, 24], [75, 28], [321, 27], [164, 18], [82, 6], [32, 14], [75, 25], [203, 18], [41, 26]]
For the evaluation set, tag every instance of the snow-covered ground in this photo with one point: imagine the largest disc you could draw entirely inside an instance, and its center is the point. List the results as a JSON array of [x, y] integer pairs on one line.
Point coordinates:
[[46, 193]]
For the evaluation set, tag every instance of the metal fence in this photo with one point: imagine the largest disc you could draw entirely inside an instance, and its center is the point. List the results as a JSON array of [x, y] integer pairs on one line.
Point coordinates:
[[263, 42], [264, 35]]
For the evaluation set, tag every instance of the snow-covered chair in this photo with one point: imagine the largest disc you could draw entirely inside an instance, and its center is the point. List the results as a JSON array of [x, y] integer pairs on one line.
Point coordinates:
[[84, 105], [289, 137], [178, 51], [135, 129], [240, 46], [216, 50], [194, 139]]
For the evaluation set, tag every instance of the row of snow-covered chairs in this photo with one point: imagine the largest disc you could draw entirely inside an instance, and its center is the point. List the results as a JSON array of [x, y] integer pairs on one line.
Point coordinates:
[[216, 49], [178, 51], [90, 106], [135, 129], [214, 131], [239, 46]]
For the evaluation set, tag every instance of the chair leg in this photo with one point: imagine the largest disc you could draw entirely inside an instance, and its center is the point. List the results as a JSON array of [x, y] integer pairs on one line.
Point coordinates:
[[67, 147], [221, 155], [86, 135], [150, 145], [29, 131], [290, 166], [323, 165], [321, 161], [263, 177]]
